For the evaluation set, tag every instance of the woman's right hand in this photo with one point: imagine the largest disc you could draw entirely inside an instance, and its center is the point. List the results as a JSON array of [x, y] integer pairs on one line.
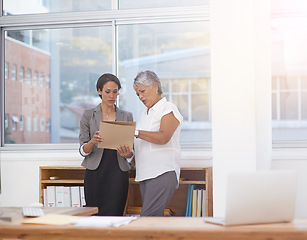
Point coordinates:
[[96, 138]]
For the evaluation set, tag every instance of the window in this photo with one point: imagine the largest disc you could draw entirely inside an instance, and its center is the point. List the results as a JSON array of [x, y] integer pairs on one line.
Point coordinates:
[[47, 6], [65, 61], [21, 124], [42, 124], [29, 124], [29, 76], [35, 124], [156, 47], [15, 120], [13, 72], [289, 76], [48, 125], [48, 81], [35, 78], [41, 79], [21, 74]]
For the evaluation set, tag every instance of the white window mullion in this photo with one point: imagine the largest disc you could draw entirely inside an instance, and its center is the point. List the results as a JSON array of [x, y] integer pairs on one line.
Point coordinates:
[[299, 97]]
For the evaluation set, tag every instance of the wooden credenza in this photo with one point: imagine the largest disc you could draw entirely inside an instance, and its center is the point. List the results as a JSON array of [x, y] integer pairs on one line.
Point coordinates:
[[74, 176]]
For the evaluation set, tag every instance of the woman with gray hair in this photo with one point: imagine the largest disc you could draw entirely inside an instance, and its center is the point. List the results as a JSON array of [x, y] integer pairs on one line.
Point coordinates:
[[157, 148]]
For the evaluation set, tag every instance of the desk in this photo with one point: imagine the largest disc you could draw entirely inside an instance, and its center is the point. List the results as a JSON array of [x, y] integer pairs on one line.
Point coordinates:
[[160, 228]]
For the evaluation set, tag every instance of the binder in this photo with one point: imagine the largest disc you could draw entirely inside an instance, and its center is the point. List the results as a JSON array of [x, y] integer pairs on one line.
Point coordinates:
[[45, 197], [59, 196], [67, 197], [82, 196], [75, 196], [51, 196]]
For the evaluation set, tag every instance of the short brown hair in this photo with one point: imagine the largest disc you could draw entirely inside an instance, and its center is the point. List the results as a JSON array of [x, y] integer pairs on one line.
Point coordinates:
[[104, 78]]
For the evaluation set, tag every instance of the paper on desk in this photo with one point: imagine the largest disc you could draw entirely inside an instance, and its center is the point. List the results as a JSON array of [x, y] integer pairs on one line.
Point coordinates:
[[97, 221], [115, 133], [51, 219]]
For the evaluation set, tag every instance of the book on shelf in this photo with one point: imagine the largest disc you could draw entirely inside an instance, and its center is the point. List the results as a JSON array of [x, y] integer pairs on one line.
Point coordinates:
[[188, 211], [199, 203], [196, 201], [203, 209]]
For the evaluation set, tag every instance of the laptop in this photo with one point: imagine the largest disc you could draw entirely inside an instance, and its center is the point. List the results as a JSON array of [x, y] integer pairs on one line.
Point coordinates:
[[259, 197]]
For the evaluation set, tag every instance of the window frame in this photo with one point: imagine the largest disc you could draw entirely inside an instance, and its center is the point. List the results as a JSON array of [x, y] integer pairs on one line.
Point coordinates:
[[112, 18]]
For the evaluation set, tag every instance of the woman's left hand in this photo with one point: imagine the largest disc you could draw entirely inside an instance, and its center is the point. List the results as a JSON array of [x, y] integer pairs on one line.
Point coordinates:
[[124, 151]]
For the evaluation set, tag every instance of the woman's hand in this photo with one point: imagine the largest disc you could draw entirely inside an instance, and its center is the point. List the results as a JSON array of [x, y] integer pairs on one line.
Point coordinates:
[[124, 151], [96, 138]]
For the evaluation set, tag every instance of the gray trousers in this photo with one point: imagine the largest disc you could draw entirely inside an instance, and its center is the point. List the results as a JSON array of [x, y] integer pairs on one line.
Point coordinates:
[[157, 192]]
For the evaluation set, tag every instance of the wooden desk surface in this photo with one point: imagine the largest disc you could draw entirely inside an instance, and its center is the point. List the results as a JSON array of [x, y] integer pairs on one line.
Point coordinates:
[[15, 213], [160, 228]]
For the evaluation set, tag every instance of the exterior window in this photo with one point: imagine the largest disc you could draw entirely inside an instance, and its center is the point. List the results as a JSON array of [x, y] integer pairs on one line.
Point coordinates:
[[42, 124], [15, 120], [35, 78], [48, 125], [29, 124], [21, 74], [29, 76], [47, 81], [35, 124], [14, 72], [21, 124], [42, 79]]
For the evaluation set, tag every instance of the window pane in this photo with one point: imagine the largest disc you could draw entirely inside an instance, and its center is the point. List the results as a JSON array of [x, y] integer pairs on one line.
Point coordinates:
[[200, 108], [128, 4], [15, 7], [180, 55], [288, 109], [63, 85], [289, 64], [181, 101], [180, 85]]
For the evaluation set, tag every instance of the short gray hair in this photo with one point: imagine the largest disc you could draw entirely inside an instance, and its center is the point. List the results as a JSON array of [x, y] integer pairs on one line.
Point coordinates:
[[148, 78]]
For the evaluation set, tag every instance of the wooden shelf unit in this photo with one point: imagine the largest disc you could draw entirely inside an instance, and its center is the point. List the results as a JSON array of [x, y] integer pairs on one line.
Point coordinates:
[[74, 176]]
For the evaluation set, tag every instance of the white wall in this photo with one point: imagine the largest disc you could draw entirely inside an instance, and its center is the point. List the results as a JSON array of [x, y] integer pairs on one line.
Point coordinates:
[[294, 159], [241, 90], [20, 173]]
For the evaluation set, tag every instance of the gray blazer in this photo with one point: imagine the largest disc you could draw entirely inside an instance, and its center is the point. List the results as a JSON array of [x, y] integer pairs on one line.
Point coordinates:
[[89, 124]]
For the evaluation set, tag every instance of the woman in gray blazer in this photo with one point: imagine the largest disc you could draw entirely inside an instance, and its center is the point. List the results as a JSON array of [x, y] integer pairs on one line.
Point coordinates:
[[106, 178]]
